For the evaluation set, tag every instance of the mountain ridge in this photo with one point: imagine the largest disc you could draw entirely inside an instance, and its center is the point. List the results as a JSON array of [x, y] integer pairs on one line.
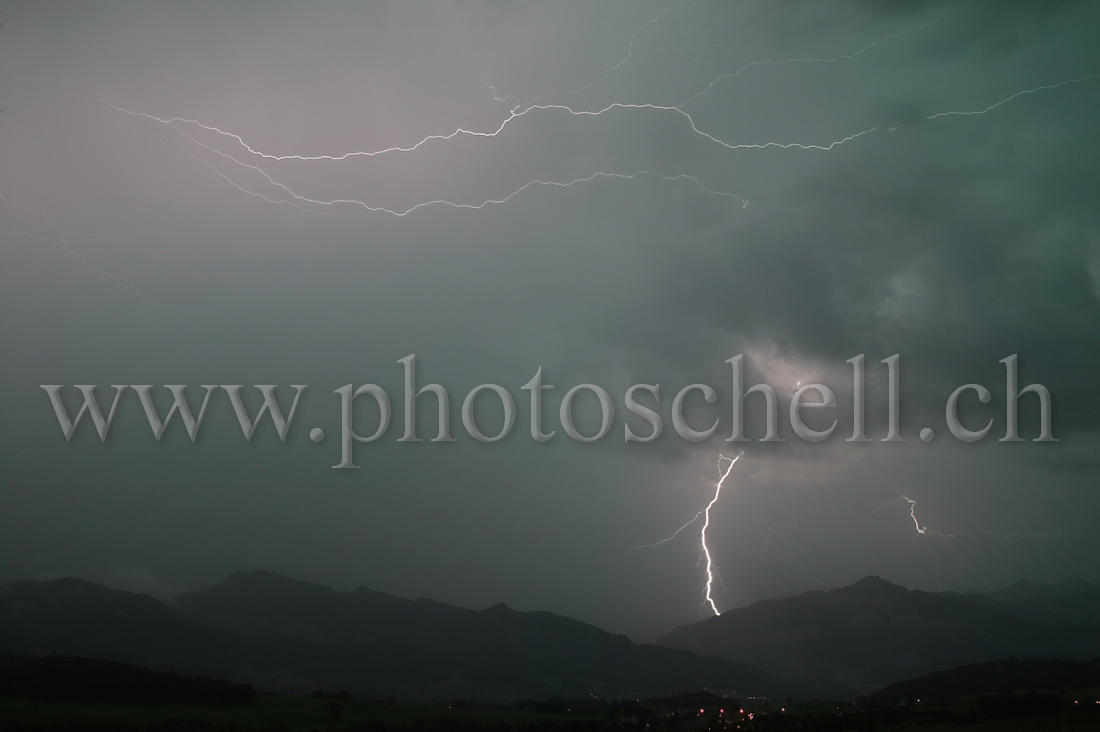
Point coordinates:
[[281, 633], [874, 632]]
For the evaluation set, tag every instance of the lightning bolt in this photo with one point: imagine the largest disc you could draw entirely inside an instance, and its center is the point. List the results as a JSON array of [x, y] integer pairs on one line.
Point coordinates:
[[706, 525], [916, 523], [513, 116], [298, 199], [725, 465], [613, 106], [67, 245], [1007, 99], [583, 87], [614, 67], [190, 129], [785, 62], [924, 530], [521, 110], [518, 111]]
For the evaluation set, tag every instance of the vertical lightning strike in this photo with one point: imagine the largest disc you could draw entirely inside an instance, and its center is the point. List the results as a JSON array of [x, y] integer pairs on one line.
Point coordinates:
[[725, 465], [706, 525]]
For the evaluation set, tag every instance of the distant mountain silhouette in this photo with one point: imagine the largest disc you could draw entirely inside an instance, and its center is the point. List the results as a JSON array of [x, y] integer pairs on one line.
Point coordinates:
[[276, 632], [874, 633], [1069, 601], [80, 618], [996, 677], [267, 629], [369, 640]]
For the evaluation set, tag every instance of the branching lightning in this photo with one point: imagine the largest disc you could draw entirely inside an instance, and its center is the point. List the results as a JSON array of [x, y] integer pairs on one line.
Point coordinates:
[[725, 465], [842, 57], [233, 153], [517, 112], [230, 156], [677, 110], [302, 201], [614, 67], [706, 525], [521, 110], [67, 245], [315, 205]]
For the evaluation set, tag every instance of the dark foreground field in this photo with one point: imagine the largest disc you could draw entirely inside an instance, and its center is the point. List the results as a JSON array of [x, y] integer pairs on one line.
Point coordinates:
[[279, 712], [300, 712]]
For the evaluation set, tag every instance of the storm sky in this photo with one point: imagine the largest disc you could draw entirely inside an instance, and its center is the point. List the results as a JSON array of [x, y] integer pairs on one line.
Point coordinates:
[[136, 251]]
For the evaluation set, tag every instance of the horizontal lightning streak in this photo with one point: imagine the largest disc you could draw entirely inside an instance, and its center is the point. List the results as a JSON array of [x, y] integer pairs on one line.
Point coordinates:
[[991, 107], [297, 200], [522, 110], [534, 106], [614, 67], [614, 106], [835, 59], [175, 121]]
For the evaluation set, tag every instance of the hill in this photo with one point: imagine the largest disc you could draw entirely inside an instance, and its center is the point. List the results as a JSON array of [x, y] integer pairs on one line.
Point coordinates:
[[386, 645], [277, 632], [998, 677], [75, 617], [873, 633]]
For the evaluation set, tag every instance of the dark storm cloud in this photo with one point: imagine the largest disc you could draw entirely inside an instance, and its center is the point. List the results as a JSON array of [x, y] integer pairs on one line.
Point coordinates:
[[954, 241], [984, 28]]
